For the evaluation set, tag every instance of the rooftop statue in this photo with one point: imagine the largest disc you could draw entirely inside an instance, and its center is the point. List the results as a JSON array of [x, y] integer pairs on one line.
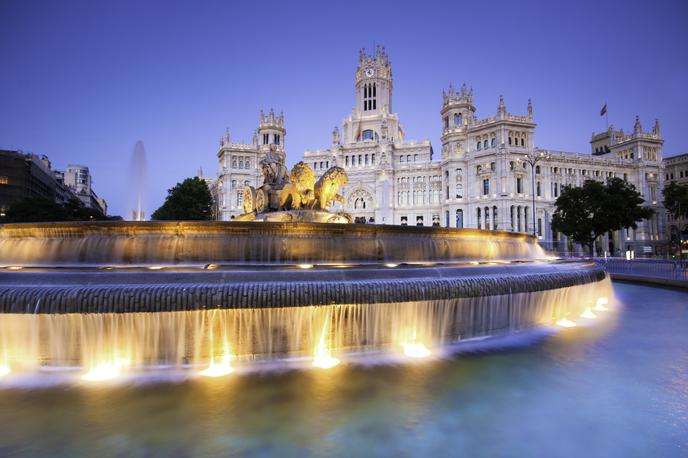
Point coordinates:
[[295, 195]]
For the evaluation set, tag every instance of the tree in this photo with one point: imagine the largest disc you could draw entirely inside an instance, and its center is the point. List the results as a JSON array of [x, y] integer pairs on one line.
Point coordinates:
[[35, 209], [584, 213], [676, 199], [188, 200], [39, 209]]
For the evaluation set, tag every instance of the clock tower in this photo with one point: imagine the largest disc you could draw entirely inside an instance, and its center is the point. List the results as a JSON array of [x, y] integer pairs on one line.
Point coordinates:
[[374, 83]]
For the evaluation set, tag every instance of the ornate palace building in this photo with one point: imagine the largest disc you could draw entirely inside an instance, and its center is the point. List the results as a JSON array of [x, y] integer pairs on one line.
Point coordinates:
[[483, 178]]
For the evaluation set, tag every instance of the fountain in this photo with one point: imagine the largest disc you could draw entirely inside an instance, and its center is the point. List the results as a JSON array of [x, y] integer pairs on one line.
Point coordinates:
[[287, 281], [137, 182]]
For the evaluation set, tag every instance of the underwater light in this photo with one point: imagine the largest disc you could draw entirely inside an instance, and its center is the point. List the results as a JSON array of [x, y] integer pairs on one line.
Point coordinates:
[[601, 305], [390, 264], [101, 372], [416, 350], [305, 266], [324, 361], [588, 314], [4, 370], [566, 323], [219, 369]]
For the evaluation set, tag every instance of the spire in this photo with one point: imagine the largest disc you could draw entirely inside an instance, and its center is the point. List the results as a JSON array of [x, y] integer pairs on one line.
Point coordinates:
[[530, 109], [501, 109], [227, 135], [463, 89], [255, 139], [655, 130], [637, 128], [335, 136], [199, 174]]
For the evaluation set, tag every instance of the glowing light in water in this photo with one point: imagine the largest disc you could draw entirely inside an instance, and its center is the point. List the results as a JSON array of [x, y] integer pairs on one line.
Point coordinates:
[[588, 314], [219, 369], [416, 350], [601, 305], [305, 266], [105, 370], [566, 323], [323, 354], [15, 267], [156, 267], [391, 265], [4, 370]]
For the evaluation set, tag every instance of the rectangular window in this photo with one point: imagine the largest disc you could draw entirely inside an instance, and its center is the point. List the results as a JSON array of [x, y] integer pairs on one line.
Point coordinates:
[[486, 187], [519, 185], [4, 180]]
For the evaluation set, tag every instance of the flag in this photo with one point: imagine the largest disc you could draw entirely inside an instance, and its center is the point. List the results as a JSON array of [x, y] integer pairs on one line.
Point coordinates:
[[603, 111]]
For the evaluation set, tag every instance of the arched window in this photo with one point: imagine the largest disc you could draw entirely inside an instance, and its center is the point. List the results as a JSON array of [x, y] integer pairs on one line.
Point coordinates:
[[493, 142], [408, 158], [457, 119], [459, 191], [241, 163], [234, 163], [401, 158], [478, 214], [509, 140], [537, 169], [366, 159], [478, 145], [494, 218], [360, 159], [523, 141], [485, 144], [234, 183], [368, 135], [247, 164], [346, 161]]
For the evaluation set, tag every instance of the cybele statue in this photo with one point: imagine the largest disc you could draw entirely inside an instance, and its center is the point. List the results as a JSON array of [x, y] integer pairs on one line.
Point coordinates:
[[295, 195]]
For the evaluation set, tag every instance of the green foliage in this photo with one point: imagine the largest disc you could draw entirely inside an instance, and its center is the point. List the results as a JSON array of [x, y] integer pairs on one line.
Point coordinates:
[[584, 213], [188, 200], [38, 209], [676, 200]]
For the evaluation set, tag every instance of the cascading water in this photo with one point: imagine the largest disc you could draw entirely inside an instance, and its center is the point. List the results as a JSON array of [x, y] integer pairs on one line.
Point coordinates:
[[197, 338], [113, 297]]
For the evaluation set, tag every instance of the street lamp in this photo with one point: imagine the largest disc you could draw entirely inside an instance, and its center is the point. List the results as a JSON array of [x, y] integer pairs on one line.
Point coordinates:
[[533, 159]]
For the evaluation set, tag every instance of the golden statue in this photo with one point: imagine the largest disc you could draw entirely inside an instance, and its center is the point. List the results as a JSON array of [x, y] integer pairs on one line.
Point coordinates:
[[326, 188], [298, 192], [294, 196]]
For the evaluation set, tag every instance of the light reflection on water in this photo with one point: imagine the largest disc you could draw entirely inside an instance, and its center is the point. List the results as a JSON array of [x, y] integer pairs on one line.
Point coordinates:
[[620, 391]]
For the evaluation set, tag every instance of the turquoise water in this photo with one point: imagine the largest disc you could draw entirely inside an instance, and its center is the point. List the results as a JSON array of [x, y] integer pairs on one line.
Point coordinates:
[[619, 389]]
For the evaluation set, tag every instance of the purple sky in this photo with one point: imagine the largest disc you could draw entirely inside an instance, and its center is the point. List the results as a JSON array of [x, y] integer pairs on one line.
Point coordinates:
[[82, 82]]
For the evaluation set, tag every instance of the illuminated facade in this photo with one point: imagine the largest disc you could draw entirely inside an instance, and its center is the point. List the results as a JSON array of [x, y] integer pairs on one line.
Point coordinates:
[[481, 179]]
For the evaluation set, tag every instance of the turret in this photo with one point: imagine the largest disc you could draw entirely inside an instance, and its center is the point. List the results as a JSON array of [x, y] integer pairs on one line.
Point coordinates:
[[374, 83], [271, 131], [457, 108]]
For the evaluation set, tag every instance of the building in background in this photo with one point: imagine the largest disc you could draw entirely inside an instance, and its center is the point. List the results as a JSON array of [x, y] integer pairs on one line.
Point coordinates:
[[482, 178], [676, 171], [239, 164], [27, 175], [78, 179]]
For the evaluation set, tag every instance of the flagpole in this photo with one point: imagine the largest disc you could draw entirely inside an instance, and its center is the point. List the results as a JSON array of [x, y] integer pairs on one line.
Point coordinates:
[[606, 115]]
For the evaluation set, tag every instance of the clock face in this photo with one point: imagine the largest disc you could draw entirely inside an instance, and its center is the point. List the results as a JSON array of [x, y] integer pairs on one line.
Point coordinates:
[[369, 72]]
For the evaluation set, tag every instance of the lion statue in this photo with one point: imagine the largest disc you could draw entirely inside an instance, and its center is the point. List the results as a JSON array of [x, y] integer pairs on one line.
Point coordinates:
[[298, 192], [326, 188]]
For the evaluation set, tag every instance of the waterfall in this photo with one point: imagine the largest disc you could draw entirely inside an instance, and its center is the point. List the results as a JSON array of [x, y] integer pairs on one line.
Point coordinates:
[[29, 342]]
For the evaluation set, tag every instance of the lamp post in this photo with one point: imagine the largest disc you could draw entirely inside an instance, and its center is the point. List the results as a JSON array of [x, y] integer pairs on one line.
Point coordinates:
[[533, 159]]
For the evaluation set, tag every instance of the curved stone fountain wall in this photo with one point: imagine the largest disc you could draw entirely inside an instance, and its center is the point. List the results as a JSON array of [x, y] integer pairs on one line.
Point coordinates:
[[252, 242]]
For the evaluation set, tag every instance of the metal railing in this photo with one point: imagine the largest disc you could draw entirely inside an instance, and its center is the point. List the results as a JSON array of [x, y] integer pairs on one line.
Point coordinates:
[[673, 270]]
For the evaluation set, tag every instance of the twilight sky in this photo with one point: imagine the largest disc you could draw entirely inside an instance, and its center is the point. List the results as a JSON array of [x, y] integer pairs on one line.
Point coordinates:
[[83, 81]]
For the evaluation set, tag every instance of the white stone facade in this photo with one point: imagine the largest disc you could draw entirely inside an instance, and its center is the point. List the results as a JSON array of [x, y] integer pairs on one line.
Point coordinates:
[[481, 180]]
